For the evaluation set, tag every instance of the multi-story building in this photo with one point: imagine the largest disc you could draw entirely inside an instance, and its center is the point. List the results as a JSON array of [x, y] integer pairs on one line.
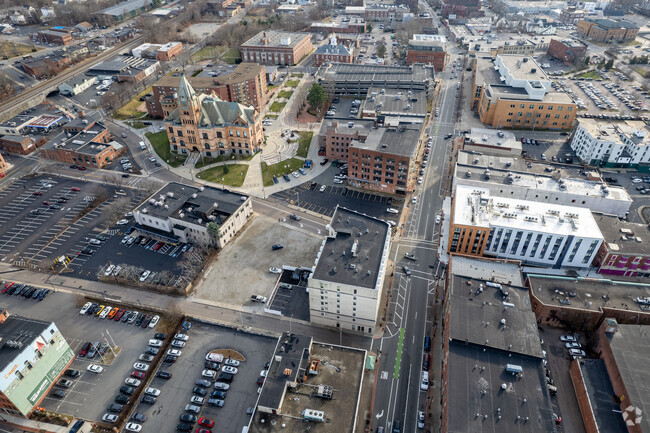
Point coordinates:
[[514, 92], [126, 68], [428, 49], [332, 53], [206, 124], [162, 52], [539, 234], [567, 50], [612, 143], [625, 248], [493, 376], [520, 47], [16, 125], [345, 288], [20, 144], [276, 48], [514, 177], [46, 66], [408, 107], [76, 85], [572, 15], [245, 85], [54, 37], [179, 213], [33, 355], [606, 30], [351, 25], [381, 12]]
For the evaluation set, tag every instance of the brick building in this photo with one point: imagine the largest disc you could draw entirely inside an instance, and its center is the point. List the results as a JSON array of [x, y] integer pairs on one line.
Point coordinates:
[[22, 145], [380, 12], [54, 37], [3, 166], [169, 51], [567, 50], [427, 49], [245, 85], [606, 30], [572, 15], [625, 250], [206, 124], [332, 53], [47, 66], [276, 48]]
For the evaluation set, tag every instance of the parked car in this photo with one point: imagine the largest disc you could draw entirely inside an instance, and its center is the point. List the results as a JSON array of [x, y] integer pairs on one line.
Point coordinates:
[[229, 369], [109, 418], [164, 374]]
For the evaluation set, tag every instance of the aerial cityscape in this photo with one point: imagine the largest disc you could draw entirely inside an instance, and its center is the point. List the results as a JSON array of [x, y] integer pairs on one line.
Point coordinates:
[[359, 216]]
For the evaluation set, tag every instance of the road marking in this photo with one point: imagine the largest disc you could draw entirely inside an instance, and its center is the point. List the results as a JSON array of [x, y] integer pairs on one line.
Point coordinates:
[[398, 359]]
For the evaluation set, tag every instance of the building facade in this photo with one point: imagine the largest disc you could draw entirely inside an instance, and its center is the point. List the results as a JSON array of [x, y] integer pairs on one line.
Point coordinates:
[[606, 30], [332, 53], [521, 47], [20, 144], [76, 85], [538, 234], [346, 285], [570, 16], [276, 48], [245, 85], [3, 166], [612, 143], [54, 37], [206, 124], [624, 250], [427, 49], [48, 66], [567, 50]]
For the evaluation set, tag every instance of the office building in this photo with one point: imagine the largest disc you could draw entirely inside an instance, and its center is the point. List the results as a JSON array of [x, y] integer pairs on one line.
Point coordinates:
[[514, 92], [33, 356], [276, 48], [625, 250], [519, 47], [20, 144], [245, 85], [567, 50], [612, 143], [539, 234], [571, 15], [346, 284], [427, 49], [179, 213], [606, 30], [332, 53]]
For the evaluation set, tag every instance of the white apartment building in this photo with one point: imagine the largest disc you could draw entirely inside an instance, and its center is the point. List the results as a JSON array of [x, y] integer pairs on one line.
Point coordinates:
[[180, 213], [540, 234], [348, 276], [612, 143]]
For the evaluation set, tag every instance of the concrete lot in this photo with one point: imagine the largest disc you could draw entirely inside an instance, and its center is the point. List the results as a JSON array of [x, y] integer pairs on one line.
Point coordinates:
[[176, 392], [90, 393], [241, 269], [40, 238]]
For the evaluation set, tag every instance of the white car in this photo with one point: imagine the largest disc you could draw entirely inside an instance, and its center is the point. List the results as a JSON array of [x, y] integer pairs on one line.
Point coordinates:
[[264, 373], [109, 270], [415, 200], [152, 159], [174, 352], [295, 174], [195, 399], [109, 417], [141, 366], [567, 338], [337, 181], [105, 312], [131, 381], [178, 343], [182, 337], [155, 392], [122, 222], [437, 219], [637, 180], [210, 374], [275, 270], [420, 419], [572, 345], [420, 180], [85, 308], [229, 369], [133, 426], [392, 210], [144, 275], [231, 362], [322, 188], [577, 352], [94, 368], [154, 342], [221, 386], [95, 242], [154, 321]]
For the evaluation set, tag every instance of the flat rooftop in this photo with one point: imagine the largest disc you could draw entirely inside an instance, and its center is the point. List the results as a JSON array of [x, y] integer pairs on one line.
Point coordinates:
[[19, 329], [493, 138], [623, 236], [271, 38], [401, 140], [588, 293], [475, 207], [20, 119], [631, 348], [475, 394], [353, 252], [496, 317], [125, 7], [609, 130], [523, 67], [392, 102], [179, 201], [340, 368], [376, 73], [222, 76], [489, 269], [349, 127], [601, 396]]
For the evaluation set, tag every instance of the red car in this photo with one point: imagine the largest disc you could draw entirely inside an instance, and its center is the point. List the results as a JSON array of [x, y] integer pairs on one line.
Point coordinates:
[[119, 314], [75, 188], [157, 246], [7, 287], [203, 430], [81, 167], [37, 193], [85, 348], [137, 374], [205, 422], [47, 203]]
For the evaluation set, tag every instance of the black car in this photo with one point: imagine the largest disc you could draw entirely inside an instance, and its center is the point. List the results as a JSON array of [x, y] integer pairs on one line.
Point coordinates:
[[277, 247], [211, 365], [72, 373], [115, 407], [200, 391], [186, 417], [275, 180], [140, 318], [164, 375], [217, 394], [121, 399], [128, 390], [139, 417], [37, 293], [148, 399], [286, 178], [159, 336], [43, 294], [184, 427], [406, 270], [170, 359], [87, 251], [126, 175], [225, 377], [294, 217], [58, 393], [324, 161]]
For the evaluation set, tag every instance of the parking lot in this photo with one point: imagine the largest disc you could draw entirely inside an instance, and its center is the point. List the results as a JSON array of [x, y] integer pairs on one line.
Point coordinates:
[[42, 218], [90, 393], [291, 297], [176, 392]]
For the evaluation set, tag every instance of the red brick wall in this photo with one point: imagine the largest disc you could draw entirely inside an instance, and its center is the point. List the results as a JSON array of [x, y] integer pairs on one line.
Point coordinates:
[[320, 59], [564, 53], [166, 56], [24, 147], [435, 58], [3, 165]]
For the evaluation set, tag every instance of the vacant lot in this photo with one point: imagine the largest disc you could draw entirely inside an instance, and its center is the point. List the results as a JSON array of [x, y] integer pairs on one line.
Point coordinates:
[[12, 49], [232, 174]]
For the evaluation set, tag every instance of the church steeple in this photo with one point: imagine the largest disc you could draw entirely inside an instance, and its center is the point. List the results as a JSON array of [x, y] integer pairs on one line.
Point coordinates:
[[186, 95]]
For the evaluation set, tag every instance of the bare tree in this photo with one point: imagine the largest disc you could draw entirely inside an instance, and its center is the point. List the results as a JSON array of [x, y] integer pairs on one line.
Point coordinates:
[[117, 209]]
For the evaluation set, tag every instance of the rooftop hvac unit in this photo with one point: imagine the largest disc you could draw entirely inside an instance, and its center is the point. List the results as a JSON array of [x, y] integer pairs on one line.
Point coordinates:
[[514, 368], [287, 372], [144, 210], [170, 194], [324, 391], [314, 366], [194, 195], [313, 415]]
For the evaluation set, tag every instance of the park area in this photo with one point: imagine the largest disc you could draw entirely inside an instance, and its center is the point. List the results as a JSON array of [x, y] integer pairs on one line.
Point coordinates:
[[231, 174], [160, 143]]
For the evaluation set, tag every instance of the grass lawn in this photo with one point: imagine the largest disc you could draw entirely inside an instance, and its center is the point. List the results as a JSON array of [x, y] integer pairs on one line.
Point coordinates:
[[197, 72], [160, 144], [235, 176], [589, 74], [12, 49], [208, 53], [231, 56], [277, 170], [304, 142], [206, 160], [297, 75], [129, 109], [277, 106], [292, 83], [642, 70], [285, 94]]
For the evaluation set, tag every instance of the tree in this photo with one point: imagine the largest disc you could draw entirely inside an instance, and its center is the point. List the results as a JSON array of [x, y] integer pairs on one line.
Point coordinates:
[[214, 230], [316, 95], [381, 50], [226, 170], [369, 28], [587, 60]]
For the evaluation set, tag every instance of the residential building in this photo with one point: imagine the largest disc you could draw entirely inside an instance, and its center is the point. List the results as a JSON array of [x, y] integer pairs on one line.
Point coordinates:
[[514, 92], [126, 68], [47, 66], [335, 136], [162, 52], [612, 143], [54, 37], [538, 234], [514, 177], [245, 85], [606, 30], [206, 124], [74, 51], [571, 15], [409, 106], [276, 48], [332, 53], [127, 9], [345, 288], [76, 85], [493, 362], [357, 79], [23, 145], [427, 49], [179, 213], [33, 356], [567, 50], [624, 249]]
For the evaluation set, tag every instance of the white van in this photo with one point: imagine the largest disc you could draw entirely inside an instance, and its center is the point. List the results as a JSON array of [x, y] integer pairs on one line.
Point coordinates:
[[143, 146]]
